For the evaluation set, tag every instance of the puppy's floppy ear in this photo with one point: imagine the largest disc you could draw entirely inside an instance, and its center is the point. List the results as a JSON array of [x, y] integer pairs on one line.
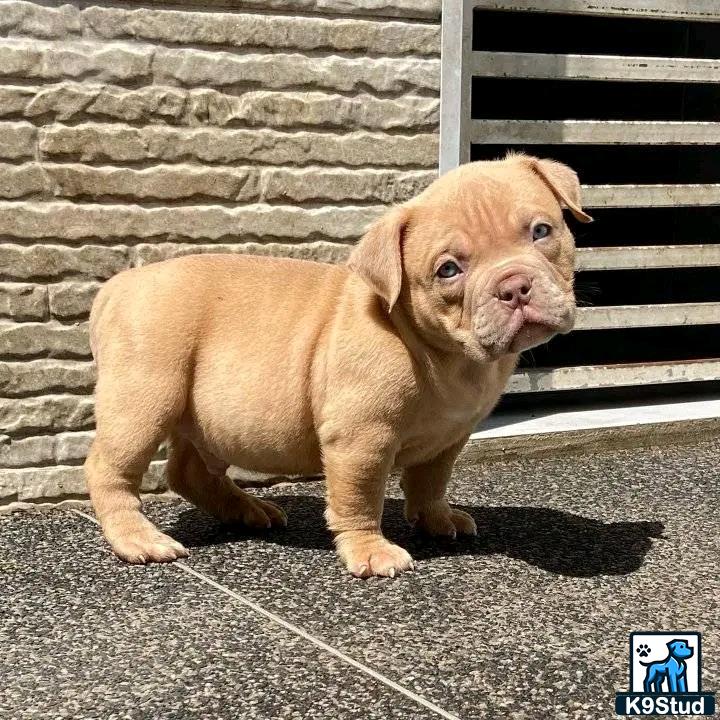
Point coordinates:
[[564, 183], [377, 258]]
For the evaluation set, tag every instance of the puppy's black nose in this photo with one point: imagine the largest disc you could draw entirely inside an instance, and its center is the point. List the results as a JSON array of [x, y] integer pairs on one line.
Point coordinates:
[[514, 291]]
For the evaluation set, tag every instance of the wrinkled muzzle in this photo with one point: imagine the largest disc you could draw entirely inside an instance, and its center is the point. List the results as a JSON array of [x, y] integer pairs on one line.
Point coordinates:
[[519, 307]]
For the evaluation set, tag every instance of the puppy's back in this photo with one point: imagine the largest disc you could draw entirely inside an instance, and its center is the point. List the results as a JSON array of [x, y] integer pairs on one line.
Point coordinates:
[[174, 300]]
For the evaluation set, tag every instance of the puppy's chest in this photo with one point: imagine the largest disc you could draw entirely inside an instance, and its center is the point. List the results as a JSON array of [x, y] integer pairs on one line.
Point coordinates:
[[444, 418], [431, 431], [455, 405]]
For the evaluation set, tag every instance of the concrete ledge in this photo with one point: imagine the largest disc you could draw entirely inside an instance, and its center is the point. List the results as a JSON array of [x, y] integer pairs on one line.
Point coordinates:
[[553, 431]]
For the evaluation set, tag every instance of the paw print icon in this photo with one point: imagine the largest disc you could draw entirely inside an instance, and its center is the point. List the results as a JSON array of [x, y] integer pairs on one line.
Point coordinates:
[[643, 650]]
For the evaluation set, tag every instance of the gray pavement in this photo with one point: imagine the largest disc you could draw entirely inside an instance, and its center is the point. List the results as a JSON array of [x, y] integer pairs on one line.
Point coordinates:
[[528, 620]]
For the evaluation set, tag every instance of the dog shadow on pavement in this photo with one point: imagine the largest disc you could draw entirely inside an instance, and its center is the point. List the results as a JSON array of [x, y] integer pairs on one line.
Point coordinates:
[[552, 540]]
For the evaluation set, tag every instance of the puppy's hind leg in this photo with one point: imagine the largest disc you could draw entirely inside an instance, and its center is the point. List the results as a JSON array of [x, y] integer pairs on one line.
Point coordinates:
[[205, 484], [135, 408]]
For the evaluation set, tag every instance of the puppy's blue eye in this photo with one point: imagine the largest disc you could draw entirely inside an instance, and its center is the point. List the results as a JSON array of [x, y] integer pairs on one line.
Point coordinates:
[[540, 231], [448, 269]]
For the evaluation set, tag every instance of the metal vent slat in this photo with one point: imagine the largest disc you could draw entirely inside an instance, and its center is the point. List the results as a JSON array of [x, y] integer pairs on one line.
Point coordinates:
[[635, 316], [609, 196], [704, 10], [594, 132], [543, 65], [607, 376], [648, 257], [594, 67]]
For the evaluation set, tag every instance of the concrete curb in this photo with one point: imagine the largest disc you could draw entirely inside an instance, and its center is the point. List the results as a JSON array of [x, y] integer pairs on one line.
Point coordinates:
[[681, 432]]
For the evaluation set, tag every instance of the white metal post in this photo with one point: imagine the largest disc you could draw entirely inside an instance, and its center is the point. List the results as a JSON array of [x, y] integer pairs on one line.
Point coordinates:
[[455, 83]]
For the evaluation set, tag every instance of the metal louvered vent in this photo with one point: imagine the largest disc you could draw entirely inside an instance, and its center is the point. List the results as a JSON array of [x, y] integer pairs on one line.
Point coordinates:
[[628, 94]]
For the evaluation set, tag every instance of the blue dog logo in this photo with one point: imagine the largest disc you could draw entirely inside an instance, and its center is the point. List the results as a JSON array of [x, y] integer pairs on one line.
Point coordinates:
[[665, 676], [671, 672]]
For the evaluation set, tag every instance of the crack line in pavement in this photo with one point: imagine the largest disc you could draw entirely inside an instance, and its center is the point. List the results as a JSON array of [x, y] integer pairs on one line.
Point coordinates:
[[302, 633]]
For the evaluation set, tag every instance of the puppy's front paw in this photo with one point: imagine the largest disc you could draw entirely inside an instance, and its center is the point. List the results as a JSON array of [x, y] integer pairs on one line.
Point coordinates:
[[146, 545], [439, 519], [366, 554]]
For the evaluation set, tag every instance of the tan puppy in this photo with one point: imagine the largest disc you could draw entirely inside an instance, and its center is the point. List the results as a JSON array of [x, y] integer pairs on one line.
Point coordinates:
[[285, 366]]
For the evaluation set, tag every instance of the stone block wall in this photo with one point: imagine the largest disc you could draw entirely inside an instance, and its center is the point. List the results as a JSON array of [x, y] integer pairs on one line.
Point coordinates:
[[134, 132]]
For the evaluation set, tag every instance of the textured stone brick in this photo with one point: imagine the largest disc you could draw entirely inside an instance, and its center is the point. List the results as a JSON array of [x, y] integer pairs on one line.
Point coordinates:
[[17, 139], [39, 262], [18, 379], [69, 221], [144, 254], [102, 62], [117, 143], [70, 300], [339, 185], [123, 62], [23, 301], [162, 182], [45, 483], [93, 142], [28, 18], [241, 184], [17, 100], [426, 9], [70, 101], [50, 413], [291, 31], [72, 447], [264, 31], [28, 180], [55, 483], [43, 339], [61, 449], [262, 108], [204, 106], [235, 29], [155, 479], [65, 448], [276, 70]]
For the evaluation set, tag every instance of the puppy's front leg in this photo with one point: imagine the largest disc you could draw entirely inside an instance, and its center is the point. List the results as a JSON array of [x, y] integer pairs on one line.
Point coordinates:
[[425, 504], [356, 472]]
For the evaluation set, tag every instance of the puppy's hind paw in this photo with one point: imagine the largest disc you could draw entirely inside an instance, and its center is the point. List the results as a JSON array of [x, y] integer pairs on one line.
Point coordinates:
[[253, 512], [441, 520]]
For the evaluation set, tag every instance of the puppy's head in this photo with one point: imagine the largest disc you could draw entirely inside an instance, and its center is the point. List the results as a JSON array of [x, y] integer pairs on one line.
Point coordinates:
[[482, 260]]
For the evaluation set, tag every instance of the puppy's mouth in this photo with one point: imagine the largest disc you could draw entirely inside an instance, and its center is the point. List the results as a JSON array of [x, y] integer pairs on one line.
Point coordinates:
[[525, 328], [530, 334]]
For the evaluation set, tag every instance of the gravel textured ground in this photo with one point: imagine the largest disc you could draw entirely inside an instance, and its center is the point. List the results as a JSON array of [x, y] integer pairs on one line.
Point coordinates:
[[528, 620]]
